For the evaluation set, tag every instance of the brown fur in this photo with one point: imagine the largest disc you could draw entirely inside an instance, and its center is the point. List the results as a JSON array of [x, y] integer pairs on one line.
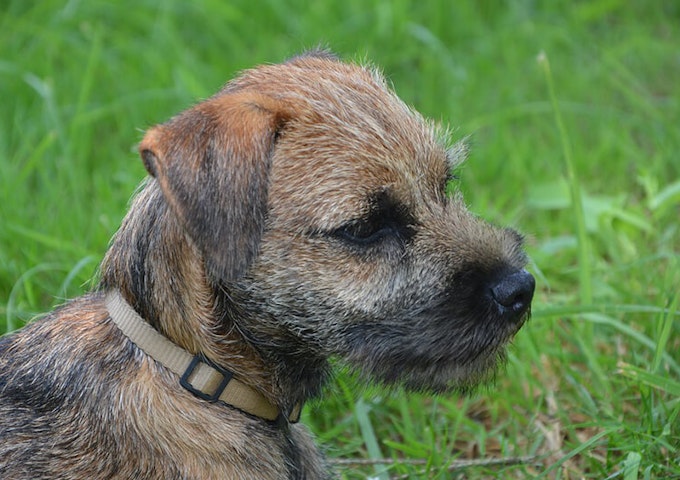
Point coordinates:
[[299, 214]]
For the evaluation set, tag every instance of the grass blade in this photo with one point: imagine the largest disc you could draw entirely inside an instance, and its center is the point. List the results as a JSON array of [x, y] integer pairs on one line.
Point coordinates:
[[361, 410], [585, 268]]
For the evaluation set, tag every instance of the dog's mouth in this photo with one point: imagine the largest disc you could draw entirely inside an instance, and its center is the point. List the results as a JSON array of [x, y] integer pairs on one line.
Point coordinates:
[[453, 345], [458, 360]]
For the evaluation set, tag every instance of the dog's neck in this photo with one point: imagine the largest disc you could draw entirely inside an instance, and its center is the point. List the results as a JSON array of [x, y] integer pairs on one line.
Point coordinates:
[[198, 375], [168, 287]]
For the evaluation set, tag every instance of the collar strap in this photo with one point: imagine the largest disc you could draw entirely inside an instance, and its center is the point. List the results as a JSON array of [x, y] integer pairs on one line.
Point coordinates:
[[197, 374]]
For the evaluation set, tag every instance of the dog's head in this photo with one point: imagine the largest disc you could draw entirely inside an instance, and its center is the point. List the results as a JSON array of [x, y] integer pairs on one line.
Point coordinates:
[[319, 202]]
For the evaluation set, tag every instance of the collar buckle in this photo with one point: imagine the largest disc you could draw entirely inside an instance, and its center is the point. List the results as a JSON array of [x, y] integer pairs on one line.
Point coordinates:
[[197, 363]]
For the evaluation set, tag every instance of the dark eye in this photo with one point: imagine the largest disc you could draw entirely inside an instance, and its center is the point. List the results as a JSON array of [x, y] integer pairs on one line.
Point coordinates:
[[386, 221], [367, 232]]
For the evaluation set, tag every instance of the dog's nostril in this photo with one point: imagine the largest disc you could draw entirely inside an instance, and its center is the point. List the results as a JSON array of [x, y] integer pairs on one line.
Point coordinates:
[[514, 291]]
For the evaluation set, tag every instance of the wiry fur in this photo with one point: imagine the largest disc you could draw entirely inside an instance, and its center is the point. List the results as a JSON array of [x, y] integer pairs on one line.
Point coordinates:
[[299, 214]]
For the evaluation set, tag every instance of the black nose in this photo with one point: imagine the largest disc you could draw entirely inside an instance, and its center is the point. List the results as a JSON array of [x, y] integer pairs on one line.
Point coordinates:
[[513, 292]]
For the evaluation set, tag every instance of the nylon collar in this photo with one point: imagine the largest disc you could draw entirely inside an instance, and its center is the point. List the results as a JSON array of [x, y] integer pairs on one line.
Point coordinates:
[[197, 374]]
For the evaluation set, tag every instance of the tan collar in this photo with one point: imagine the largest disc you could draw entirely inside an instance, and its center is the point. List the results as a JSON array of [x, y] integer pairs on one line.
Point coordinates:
[[197, 374]]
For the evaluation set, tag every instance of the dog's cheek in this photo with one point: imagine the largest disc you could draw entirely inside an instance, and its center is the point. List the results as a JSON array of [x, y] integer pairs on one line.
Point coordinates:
[[310, 265], [323, 274]]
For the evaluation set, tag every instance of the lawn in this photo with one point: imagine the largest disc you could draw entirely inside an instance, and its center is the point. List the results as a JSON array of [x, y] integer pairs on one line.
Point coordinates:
[[572, 109]]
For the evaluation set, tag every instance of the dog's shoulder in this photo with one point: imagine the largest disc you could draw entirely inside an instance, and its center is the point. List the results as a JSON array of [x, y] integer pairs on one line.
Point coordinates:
[[46, 364]]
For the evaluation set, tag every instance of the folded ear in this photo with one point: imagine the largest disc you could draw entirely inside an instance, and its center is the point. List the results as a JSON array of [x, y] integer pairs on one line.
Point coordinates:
[[212, 163]]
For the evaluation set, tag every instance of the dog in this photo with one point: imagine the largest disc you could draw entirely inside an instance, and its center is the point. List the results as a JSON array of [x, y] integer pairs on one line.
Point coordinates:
[[299, 215]]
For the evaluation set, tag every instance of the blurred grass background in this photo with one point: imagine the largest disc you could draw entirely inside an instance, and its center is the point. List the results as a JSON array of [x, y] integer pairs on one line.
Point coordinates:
[[572, 108]]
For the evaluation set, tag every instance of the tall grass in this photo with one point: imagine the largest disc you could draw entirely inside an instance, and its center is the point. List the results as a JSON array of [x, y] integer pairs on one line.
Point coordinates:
[[580, 153]]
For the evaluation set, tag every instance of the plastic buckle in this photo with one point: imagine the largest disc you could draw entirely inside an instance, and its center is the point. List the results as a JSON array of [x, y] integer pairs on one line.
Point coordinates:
[[210, 397]]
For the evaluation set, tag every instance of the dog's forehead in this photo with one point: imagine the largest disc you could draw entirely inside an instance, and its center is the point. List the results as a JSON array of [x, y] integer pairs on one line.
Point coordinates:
[[348, 137], [326, 189], [329, 170], [351, 103]]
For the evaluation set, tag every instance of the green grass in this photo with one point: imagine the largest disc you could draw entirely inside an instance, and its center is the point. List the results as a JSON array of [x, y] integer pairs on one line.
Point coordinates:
[[573, 111]]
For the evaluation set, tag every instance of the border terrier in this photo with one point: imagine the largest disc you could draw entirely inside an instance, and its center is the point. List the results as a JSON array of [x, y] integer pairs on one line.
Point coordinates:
[[300, 214]]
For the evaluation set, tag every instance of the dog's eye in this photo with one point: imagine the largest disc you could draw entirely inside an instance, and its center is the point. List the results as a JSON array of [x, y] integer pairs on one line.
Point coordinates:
[[366, 232], [380, 225], [386, 219]]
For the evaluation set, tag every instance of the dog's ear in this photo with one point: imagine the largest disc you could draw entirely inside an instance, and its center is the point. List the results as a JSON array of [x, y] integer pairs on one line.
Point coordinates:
[[212, 163]]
